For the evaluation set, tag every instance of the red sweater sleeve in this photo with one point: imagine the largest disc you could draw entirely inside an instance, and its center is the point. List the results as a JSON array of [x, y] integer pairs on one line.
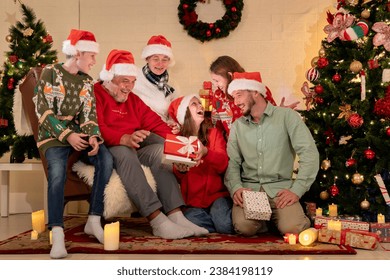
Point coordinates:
[[151, 121], [217, 157]]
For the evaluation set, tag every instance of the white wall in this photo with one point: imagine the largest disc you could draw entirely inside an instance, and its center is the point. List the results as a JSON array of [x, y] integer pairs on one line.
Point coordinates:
[[279, 38]]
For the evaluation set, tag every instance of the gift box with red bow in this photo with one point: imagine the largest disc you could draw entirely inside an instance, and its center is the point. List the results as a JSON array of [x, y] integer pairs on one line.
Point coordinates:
[[354, 238], [321, 222], [180, 149], [382, 230]]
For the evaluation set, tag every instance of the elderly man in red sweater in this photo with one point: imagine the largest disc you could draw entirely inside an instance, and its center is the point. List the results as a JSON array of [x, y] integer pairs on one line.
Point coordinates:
[[135, 135]]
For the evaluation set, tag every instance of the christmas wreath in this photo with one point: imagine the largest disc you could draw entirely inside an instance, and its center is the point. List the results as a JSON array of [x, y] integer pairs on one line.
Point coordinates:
[[205, 31]]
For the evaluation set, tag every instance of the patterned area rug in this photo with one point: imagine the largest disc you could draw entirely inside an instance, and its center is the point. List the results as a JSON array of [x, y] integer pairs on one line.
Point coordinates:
[[136, 238]]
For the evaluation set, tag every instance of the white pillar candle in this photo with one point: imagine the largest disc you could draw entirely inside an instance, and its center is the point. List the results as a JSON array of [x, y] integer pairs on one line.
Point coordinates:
[[381, 218], [333, 210], [308, 236], [34, 235], [38, 221], [111, 236]]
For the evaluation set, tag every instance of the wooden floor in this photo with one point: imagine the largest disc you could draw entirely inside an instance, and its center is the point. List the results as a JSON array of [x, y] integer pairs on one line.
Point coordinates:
[[15, 224]]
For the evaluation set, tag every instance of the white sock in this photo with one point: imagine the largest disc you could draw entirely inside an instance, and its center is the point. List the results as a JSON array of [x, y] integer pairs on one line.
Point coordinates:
[[165, 228], [180, 219], [94, 227], [58, 250]]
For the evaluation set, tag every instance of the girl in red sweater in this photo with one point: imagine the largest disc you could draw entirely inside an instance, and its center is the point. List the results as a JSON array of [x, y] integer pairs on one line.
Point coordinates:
[[208, 202]]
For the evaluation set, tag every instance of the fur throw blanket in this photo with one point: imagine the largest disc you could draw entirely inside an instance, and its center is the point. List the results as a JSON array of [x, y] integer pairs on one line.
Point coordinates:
[[116, 200]]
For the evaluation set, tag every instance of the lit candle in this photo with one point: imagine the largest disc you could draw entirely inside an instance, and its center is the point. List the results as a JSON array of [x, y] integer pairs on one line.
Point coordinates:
[[308, 236], [337, 225], [34, 235], [38, 221], [318, 212], [333, 210], [331, 225], [381, 218], [292, 239], [50, 238], [111, 236]]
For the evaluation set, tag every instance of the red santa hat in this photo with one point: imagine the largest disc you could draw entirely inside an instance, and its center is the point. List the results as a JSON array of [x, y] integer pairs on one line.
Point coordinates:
[[158, 44], [247, 81], [120, 63], [80, 40], [178, 107]]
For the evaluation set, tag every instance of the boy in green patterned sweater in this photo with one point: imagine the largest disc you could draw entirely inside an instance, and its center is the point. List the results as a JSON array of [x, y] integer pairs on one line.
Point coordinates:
[[65, 106]]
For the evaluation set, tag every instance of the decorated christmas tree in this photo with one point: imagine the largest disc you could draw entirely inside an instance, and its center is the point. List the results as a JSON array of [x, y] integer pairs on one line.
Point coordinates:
[[30, 46], [347, 99]]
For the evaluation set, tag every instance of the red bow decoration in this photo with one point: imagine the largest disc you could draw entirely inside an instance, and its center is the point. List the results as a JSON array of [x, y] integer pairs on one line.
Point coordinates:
[[309, 95]]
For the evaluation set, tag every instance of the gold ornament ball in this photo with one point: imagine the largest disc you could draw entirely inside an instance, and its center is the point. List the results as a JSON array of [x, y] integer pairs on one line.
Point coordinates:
[[314, 61], [356, 66], [357, 178], [325, 165], [365, 14], [321, 52], [365, 204], [324, 195], [9, 38]]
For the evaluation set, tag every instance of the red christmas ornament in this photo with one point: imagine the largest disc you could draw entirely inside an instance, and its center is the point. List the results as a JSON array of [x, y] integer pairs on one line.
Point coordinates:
[[388, 131], [312, 74], [350, 162], [3, 122], [217, 30], [369, 154], [319, 100], [10, 84], [233, 9], [211, 25], [47, 39], [319, 89], [185, 6], [373, 63], [355, 120], [13, 58], [382, 106], [208, 33], [322, 62], [336, 78], [334, 190]]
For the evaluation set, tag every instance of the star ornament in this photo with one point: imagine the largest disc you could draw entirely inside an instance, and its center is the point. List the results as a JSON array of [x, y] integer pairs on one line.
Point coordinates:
[[382, 36], [11, 18]]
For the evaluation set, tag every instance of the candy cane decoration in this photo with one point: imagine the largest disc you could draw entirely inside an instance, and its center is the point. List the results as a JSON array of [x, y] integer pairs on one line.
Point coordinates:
[[383, 189], [357, 31], [363, 85]]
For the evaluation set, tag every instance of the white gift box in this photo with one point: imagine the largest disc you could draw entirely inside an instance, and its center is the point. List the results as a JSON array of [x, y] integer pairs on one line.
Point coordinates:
[[256, 205]]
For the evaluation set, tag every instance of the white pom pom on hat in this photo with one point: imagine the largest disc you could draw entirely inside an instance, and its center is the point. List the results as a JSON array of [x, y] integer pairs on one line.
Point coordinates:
[[80, 40], [158, 44], [247, 81], [119, 63]]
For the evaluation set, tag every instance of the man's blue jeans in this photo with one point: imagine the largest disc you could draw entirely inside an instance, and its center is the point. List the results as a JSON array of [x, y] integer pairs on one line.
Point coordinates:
[[57, 158], [216, 218]]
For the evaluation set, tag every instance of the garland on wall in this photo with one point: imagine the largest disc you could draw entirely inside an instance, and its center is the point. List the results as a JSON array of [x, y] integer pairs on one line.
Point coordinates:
[[205, 31]]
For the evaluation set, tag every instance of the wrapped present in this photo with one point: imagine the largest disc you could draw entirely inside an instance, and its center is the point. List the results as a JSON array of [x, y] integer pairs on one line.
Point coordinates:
[[180, 149], [382, 230], [256, 205], [354, 238], [206, 94], [322, 222]]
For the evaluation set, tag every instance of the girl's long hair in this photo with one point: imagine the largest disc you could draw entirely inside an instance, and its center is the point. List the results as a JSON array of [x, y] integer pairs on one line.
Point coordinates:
[[189, 129]]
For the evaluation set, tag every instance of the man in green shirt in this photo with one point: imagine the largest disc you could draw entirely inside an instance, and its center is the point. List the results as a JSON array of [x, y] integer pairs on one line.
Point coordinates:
[[262, 147]]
